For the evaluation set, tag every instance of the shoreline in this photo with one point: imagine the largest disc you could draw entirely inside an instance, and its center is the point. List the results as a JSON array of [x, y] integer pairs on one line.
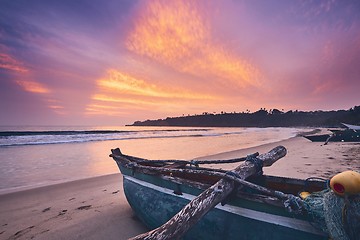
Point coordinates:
[[157, 152], [48, 164], [96, 207]]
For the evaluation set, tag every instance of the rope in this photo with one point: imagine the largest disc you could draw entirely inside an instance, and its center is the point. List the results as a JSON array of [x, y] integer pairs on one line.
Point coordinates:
[[292, 203], [257, 162]]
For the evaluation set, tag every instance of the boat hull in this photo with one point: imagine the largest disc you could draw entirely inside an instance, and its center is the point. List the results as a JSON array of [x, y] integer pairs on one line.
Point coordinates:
[[338, 136], [156, 201]]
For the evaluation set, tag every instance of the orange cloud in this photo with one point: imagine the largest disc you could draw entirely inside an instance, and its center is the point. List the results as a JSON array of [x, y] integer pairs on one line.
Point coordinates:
[[175, 33], [33, 87], [9, 63], [115, 105], [118, 81], [124, 83], [38, 88], [98, 109], [115, 98], [55, 106], [168, 31], [120, 92]]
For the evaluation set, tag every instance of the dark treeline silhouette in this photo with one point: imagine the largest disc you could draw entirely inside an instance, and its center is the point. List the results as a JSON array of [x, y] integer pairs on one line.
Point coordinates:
[[262, 118]]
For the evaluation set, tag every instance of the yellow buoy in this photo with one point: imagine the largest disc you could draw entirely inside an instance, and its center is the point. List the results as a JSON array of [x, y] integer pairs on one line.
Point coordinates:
[[347, 182], [304, 195]]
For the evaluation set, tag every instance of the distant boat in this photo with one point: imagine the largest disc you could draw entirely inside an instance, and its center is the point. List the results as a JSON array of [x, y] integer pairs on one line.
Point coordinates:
[[351, 134], [347, 135], [353, 127], [158, 189]]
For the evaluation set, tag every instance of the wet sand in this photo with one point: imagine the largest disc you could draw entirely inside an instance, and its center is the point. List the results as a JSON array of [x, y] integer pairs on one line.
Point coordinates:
[[96, 208]]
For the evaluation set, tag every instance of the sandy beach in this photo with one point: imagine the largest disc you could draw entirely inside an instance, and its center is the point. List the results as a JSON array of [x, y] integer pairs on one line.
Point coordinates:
[[93, 208], [304, 158], [96, 208]]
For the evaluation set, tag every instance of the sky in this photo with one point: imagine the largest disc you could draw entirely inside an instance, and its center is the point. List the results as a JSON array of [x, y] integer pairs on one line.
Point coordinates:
[[94, 62]]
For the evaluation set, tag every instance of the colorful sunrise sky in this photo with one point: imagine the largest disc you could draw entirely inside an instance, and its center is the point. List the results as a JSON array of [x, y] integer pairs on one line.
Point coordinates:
[[94, 62]]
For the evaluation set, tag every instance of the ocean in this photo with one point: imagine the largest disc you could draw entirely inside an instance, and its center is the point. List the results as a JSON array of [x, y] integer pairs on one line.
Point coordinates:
[[38, 156]]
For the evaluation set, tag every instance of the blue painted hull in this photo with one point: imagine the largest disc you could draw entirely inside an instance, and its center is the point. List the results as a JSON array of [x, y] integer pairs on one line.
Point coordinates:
[[155, 201]]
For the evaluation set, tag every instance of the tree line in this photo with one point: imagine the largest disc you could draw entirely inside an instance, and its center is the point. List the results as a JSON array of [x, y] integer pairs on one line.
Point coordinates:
[[262, 118]]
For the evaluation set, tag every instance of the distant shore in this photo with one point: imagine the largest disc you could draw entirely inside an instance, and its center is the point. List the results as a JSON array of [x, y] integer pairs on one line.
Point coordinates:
[[261, 118], [96, 208]]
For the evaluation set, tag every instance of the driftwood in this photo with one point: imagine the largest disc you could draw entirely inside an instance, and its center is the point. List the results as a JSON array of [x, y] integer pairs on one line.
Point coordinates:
[[271, 200], [179, 224]]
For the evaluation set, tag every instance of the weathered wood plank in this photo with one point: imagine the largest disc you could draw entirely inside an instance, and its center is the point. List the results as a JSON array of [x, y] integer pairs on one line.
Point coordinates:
[[271, 200], [178, 225]]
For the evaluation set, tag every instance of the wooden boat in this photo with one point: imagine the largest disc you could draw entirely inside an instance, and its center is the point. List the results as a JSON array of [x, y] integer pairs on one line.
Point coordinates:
[[158, 189], [344, 135], [352, 127]]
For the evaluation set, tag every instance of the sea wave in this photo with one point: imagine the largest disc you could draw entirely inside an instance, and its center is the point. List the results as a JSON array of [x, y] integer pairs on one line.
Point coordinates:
[[55, 136], [27, 133], [18, 138]]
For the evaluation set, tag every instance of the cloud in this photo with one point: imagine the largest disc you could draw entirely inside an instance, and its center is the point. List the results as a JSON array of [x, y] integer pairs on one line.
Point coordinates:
[[33, 87], [23, 77], [122, 91], [16, 69], [7, 62], [178, 34], [126, 84], [102, 109]]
